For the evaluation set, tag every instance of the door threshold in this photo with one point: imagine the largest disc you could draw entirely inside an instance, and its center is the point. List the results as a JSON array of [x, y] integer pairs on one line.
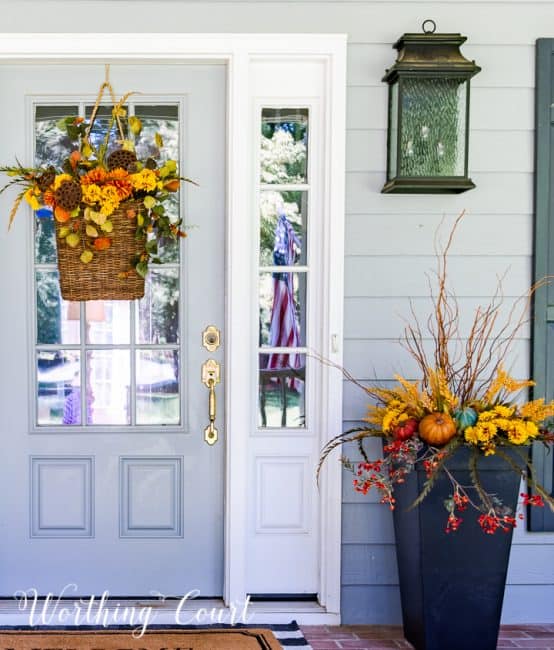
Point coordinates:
[[208, 611]]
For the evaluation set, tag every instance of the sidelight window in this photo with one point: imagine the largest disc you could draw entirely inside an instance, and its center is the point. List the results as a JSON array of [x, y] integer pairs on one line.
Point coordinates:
[[284, 191]]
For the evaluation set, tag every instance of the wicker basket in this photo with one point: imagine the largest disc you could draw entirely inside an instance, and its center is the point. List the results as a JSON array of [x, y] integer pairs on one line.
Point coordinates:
[[99, 279]]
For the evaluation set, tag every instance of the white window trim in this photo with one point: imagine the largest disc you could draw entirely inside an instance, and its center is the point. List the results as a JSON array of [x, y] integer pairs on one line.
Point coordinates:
[[237, 51]]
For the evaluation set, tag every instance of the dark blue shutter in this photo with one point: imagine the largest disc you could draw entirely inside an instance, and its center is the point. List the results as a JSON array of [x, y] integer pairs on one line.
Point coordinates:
[[542, 519]]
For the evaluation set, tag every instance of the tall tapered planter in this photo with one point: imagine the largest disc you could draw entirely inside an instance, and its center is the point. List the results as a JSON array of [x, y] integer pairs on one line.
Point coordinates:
[[452, 585]]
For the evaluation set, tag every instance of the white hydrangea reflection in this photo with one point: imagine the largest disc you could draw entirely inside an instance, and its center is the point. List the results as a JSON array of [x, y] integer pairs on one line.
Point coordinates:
[[270, 202], [280, 155]]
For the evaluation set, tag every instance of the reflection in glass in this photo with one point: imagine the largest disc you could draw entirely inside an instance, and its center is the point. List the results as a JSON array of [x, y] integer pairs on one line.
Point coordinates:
[[55, 321], [51, 147], [282, 391], [284, 145], [283, 309], [58, 387], [162, 119], [283, 228], [100, 127], [108, 374], [158, 387], [158, 311], [107, 321]]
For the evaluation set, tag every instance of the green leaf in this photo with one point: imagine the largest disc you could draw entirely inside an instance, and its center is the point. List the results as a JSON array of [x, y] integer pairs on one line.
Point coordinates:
[[142, 269], [152, 247], [73, 131]]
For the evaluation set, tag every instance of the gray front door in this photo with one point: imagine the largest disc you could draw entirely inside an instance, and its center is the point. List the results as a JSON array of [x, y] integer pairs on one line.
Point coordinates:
[[129, 498]]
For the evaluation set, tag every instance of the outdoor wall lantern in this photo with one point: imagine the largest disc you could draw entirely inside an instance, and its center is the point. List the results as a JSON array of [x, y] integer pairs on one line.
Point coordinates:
[[428, 131]]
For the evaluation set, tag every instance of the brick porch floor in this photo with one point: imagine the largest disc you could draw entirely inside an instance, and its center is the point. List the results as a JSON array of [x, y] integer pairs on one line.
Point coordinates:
[[373, 637]]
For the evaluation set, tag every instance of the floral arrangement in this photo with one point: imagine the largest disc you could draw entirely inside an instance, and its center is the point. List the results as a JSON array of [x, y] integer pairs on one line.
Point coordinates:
[[465, 398], [95, 182]]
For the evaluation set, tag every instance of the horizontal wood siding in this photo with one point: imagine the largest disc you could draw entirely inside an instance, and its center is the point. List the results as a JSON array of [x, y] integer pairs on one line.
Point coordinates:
[[389, 239]]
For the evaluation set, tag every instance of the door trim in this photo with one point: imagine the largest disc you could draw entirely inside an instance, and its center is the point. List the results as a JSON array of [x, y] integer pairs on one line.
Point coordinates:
[[238, 51]]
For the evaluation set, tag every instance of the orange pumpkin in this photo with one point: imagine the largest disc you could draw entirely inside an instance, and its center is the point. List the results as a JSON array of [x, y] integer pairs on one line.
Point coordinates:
[[436, 429]]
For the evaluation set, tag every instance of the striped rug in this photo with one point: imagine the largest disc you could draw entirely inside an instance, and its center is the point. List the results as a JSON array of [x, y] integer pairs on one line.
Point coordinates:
[[289, 635]]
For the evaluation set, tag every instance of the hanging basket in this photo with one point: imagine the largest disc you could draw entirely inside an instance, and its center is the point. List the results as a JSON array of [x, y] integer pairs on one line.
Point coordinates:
[[107, 276], [104, 201]]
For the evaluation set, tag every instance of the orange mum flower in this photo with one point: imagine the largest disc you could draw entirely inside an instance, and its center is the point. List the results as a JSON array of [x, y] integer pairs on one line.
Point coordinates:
[[118, 174], [123, 187], [102, 243], [97, 175]]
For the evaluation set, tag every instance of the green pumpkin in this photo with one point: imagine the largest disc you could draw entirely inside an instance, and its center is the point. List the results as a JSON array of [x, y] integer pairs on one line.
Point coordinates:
[[465, 417]]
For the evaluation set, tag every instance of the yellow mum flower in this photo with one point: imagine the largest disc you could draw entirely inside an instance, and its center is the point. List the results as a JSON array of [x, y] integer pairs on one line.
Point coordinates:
[[145, 180], [60, 178], [91, 194], [481, 433], [110, 194], [503, 411], [517, 434], [108, 208], [470, 434], [532, 429], [31, 198]]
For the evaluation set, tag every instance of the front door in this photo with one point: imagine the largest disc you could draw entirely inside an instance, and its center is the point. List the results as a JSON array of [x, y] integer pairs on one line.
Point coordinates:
[[123, 494]]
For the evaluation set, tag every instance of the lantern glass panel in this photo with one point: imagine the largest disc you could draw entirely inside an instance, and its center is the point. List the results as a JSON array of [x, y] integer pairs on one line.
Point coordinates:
[[433, 129], [393, 130]]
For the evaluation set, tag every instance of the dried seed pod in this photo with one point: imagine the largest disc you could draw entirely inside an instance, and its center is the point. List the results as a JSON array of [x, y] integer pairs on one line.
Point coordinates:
[[68, 195], [121, 159], [46, 179]]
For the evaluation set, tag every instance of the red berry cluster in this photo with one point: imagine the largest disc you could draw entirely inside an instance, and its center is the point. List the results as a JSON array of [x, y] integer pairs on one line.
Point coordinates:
[[492, 522], [461, 501], [453, 523], [532, 500]]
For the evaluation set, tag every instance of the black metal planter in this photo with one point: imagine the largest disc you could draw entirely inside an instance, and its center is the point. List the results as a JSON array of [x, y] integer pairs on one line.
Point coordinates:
[[452, 585]]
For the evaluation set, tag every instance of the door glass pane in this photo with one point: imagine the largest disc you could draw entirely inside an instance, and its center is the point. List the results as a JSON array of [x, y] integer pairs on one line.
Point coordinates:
[[111, 331], [282, 390], [57, 320], [158, 387], [108, 322], [51, 147], [283, 228], [163, 120], [58, 387], [100, 127], [282, 309], [284, 145], [158, 312], [108, 378]]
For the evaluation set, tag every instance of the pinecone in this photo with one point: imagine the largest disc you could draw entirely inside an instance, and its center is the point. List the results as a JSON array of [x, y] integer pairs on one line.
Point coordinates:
[[68, 195], [121, 159], [46, 179]]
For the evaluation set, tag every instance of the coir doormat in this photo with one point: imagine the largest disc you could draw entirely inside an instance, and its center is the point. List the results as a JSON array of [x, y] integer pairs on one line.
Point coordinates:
[[218, 639]]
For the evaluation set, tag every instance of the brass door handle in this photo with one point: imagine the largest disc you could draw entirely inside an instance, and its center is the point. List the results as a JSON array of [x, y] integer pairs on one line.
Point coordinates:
[[211, 377]]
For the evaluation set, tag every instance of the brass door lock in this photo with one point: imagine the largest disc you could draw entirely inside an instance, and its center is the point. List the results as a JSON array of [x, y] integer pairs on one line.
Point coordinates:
[[211, 338]]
